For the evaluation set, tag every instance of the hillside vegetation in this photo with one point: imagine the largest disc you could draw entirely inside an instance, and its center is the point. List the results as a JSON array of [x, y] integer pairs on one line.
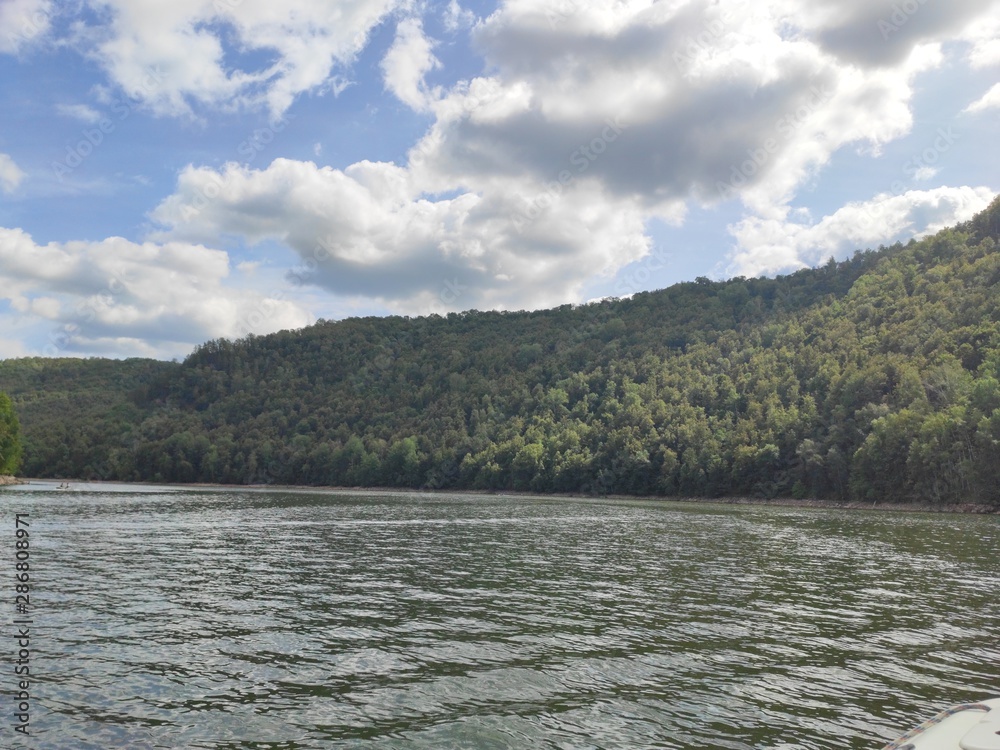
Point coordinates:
[[877, 378], [10, 439]]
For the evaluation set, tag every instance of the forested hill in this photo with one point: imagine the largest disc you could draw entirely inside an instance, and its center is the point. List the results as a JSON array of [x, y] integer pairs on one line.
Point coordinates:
[[874, 378]]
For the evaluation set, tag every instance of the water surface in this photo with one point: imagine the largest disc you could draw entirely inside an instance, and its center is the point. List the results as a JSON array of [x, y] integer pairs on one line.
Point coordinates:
[[318, 620]]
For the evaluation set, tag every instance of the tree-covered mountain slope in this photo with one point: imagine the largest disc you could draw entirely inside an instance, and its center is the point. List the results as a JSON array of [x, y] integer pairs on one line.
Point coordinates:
[[73, 410], [874, 378]]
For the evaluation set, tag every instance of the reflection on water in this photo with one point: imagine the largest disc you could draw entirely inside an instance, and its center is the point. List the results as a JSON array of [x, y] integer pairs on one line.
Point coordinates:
[[281, 620]]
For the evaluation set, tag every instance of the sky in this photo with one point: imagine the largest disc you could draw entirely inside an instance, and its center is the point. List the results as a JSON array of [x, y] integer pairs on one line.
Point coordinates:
[[175, 172]]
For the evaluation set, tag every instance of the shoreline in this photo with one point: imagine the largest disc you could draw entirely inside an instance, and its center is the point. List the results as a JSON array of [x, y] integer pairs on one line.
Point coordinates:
[[962, 508]]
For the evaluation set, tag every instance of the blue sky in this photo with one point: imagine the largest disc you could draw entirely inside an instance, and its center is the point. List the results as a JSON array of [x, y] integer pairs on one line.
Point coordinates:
[[171, 173]]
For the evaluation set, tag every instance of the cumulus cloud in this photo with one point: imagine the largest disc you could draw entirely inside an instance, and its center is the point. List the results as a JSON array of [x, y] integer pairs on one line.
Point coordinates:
[[11, 348], [593, 119], [879, 34], [701, 88], [406, 63], [10, 174], [983, 37], [23, 22], [369, 230], [171, 56], [456, 17], [989, 100], [767, 246], [106, 296]]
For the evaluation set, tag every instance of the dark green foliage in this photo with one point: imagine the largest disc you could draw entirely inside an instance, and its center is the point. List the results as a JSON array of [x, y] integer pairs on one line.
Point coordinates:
[[10, 437], [80, 417], [877, 378]]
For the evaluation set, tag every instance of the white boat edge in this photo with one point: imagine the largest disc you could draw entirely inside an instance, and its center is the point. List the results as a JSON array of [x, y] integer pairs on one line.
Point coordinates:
[[966, 726]]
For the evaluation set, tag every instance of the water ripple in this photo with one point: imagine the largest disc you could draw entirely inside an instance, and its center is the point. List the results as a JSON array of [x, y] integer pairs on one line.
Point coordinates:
[[282, 620]]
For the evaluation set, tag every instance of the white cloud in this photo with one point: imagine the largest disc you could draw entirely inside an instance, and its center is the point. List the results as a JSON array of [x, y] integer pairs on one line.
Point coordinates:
[[702, 89], [456, 17], [10, 348], [172, 56], [369, 231], [983, 37], [876, 35], [407, 62], [767, 246], [989, 100], [83, 112], [23, 22], [43, 307], [986, 53], [103, 297], [10, 174], [594, 119]]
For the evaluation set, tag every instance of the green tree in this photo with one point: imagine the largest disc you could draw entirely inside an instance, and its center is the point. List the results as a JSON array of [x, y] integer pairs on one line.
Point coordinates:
[[10, 437]]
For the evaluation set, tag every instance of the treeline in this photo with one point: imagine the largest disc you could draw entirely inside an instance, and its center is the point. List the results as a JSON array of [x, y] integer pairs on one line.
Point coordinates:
[[876, 378]]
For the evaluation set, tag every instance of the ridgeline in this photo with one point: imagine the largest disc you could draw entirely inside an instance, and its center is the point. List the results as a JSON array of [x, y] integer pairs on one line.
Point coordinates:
[[877, 378]]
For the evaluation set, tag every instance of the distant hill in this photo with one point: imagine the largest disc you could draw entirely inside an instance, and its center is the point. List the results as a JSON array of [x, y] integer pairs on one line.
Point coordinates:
[[72, 410], [873, 378]]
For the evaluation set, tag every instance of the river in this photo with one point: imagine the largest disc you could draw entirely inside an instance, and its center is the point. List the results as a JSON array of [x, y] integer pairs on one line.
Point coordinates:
[[265, 619]]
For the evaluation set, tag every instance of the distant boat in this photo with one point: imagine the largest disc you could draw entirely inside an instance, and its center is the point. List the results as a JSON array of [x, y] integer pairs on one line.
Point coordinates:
[[968, 726], [63, 486]]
